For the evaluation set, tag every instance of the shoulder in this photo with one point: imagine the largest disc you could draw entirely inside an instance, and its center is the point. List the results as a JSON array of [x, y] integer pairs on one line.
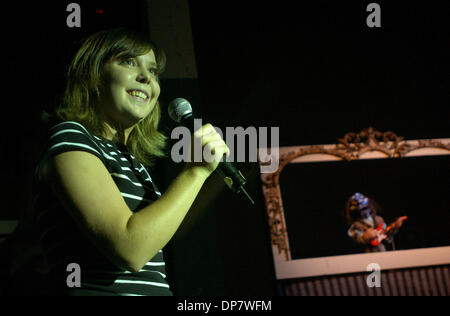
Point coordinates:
[[72, 135], [69, 136], [69, 128]]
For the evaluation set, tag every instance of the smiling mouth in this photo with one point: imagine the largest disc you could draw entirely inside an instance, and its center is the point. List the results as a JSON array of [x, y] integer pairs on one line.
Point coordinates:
[[140, 95]]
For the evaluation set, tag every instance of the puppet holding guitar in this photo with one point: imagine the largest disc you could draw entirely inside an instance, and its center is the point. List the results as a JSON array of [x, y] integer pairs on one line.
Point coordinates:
[[366, 227]]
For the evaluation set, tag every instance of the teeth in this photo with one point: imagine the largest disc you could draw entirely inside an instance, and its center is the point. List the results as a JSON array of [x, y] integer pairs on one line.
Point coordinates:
[[138, 94]]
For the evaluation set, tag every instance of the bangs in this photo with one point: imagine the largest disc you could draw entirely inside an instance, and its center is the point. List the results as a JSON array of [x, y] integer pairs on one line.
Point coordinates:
[[123, 44]]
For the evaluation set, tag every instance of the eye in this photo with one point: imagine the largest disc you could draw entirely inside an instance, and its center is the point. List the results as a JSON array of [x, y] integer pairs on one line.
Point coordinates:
[[129, 62], [153, 71]]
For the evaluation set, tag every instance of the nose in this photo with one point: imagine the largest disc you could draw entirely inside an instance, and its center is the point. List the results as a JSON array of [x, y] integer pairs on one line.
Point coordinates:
[[144, 77]]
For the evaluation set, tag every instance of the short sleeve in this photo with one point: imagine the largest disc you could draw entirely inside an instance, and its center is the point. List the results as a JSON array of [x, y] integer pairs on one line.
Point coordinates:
[[69, 136]]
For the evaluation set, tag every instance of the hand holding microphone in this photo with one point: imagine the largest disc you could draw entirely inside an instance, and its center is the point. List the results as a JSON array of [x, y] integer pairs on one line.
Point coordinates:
[[212, 145], [180, 111]]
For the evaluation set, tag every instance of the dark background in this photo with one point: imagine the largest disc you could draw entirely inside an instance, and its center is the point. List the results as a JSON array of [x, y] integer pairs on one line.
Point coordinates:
[[313, 69], [416, 187]]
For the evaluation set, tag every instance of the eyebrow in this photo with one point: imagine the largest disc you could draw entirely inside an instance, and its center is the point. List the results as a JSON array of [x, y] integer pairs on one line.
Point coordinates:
[[151, 63]]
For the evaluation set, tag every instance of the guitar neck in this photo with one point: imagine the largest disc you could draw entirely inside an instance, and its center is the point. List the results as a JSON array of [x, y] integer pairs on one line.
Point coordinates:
[[393, 225]]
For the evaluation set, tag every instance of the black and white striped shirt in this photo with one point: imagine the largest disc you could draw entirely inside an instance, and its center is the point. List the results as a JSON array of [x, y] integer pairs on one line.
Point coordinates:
[[61, 238]]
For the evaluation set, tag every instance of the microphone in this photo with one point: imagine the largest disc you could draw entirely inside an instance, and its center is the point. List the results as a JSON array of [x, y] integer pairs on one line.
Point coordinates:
[[180, 111]]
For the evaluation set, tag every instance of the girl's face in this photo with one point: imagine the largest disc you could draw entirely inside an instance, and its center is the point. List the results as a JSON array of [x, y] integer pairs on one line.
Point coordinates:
[[130, 90]]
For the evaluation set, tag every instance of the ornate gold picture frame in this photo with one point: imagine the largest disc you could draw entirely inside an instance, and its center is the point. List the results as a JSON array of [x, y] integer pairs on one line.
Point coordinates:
[[368, 144]]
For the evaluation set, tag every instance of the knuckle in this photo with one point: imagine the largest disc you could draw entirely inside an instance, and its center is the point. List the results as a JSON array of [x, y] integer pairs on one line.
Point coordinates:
[[207, 127], [198, 133]]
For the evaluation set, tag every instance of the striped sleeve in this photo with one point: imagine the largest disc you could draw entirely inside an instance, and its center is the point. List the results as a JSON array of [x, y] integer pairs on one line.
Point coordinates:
[[70, 136]]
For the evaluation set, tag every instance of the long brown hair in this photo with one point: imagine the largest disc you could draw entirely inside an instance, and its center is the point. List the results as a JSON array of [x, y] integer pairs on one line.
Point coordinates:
[[84, 76]]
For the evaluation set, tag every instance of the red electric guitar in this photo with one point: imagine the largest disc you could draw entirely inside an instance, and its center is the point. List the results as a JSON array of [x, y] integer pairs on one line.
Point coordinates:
[[389, 231]]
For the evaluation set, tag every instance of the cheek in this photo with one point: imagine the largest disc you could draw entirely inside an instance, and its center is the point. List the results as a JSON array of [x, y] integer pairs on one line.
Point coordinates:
[[116, 78], [156, 90], [111, 91]]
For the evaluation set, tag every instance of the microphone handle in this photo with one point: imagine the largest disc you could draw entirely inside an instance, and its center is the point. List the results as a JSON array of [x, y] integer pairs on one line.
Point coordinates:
[[232, 177]]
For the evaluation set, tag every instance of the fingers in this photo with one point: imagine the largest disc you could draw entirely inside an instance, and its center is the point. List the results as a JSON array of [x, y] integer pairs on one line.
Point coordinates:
[[215, 150], [206, 129], [207, 133], [212, 137], [214, 147]]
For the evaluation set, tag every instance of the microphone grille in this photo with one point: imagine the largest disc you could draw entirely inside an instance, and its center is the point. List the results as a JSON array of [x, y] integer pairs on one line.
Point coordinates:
[[179, 108]]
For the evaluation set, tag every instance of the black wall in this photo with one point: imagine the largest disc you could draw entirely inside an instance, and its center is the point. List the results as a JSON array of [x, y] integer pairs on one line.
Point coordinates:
[[317, 71]]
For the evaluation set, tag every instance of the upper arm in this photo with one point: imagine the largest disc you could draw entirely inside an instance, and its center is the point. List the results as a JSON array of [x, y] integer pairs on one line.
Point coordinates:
[[85, 188]]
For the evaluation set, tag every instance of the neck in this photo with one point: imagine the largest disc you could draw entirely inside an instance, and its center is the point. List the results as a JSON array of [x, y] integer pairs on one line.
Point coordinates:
[[116, 133]]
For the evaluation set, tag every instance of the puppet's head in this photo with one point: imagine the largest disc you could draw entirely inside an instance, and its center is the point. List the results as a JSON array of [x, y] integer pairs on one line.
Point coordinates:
[[358, 207]]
